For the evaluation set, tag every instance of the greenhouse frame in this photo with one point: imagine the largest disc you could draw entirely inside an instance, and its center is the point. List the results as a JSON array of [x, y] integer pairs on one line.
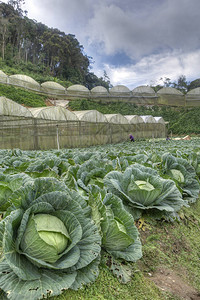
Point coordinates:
[[55, 127]]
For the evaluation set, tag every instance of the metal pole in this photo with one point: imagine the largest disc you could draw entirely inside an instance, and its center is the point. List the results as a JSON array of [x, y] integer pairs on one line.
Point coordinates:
[[57, 137]]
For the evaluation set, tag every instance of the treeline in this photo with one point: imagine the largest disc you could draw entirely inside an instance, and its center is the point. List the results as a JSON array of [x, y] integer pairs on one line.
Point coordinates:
[[33, 47]]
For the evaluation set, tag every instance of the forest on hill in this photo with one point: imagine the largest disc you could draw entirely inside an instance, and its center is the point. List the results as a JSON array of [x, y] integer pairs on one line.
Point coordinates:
[[34, 49]]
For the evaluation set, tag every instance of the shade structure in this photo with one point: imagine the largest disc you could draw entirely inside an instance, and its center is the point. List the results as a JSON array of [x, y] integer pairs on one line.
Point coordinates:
[[15, 123], [134, 119], [120, 90], [3, 77], [160, 127], [143, 89], [53, 113], [148, 126], [116, 119], [136, 126], [169, 91], [144, 95], [91, 116], [24, 81], [192, 98], [195, 91], [148, 119], [170, 96], [99, 91], [78, 90], [159, 120], [52, 87], [11, 108]]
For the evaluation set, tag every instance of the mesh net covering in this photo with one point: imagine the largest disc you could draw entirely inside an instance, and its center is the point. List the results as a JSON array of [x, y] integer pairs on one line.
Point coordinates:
[[56, 127]]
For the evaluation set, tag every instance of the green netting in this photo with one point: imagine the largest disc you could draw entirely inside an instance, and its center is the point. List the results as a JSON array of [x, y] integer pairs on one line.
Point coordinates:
[[56, 127]]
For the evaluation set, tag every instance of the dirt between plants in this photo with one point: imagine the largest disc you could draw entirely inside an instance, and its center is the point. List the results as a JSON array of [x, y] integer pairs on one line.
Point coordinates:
[[167, 280]]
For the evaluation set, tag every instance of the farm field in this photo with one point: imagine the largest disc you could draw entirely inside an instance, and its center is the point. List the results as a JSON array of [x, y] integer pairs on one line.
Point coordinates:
[[124, 222]]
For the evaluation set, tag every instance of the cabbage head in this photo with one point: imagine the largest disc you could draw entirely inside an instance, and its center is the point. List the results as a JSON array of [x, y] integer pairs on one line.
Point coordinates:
[[142, 190], [49, 242]]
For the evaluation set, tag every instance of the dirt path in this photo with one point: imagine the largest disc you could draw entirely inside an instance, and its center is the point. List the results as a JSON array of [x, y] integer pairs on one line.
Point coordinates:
[[167, 280]]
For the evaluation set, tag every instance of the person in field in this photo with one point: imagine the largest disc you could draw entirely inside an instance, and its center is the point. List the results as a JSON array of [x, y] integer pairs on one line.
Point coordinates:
[[131, 137]]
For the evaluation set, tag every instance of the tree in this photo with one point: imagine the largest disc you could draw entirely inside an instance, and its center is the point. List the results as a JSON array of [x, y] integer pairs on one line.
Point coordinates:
[[3, 30], [35, 47], [182, 84], [17, 5], [194, 84], [166, 81]]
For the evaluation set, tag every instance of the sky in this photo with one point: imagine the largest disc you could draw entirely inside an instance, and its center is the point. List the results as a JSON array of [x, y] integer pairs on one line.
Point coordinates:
[[136, 42]]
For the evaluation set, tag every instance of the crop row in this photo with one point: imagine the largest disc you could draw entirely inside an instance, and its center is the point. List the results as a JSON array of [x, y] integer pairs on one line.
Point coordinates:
[[66, 212]]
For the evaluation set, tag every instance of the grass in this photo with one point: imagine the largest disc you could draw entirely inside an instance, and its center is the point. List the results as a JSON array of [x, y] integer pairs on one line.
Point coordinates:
[[22, 96], [108, 287]]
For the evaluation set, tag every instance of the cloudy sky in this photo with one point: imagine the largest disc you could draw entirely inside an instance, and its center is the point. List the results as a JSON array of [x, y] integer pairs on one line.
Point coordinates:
[[135, 41]]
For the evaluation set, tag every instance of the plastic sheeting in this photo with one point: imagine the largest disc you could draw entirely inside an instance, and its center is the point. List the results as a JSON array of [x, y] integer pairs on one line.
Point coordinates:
[[24, 81], [134, 119], [116, 119], [99, 90], [143, 89], [159, 120], [11, 108], [3, 77], [148, 119], [52, 87], [56, 127], [91, 116], [120, 90], [53, 113]]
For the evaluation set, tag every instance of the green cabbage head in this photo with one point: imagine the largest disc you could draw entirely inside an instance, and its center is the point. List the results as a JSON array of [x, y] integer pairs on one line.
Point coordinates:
[[49, 233]]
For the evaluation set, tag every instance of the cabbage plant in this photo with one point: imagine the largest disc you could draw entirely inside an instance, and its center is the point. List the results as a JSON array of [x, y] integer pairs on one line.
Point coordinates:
[[194, 159], [183, 173], [142, 190], [120, 236], [78, 177], [49, 242], [9, 184]]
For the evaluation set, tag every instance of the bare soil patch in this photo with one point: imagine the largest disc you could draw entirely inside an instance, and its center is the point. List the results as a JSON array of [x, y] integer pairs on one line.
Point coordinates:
[[167, 280]]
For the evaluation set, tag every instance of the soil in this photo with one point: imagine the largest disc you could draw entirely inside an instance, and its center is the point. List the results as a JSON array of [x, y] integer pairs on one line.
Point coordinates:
[[167, 280]]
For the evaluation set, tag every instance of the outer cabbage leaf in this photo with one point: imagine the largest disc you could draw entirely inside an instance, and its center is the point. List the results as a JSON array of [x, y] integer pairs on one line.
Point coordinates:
[[50, 283], [93, 172], [9, 184]]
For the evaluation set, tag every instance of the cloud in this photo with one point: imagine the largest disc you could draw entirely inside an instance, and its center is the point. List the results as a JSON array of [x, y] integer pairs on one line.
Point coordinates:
[[150, 69], [151, 29]]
